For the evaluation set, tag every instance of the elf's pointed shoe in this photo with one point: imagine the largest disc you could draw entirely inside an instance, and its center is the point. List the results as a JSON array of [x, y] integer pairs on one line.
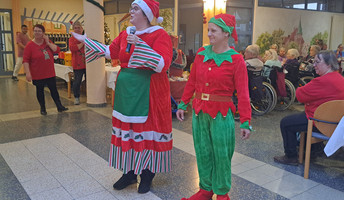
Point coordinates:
[[223, 197], [201, 195]]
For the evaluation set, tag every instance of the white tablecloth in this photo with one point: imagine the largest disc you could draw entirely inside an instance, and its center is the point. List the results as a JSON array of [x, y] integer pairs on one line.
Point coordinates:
[[111, 76], [62, 71]]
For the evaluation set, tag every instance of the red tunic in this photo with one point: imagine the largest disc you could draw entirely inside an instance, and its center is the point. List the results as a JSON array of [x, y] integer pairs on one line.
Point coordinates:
[[41, 66], [78, 55], [207, 77], [159, 121], [320, 90]]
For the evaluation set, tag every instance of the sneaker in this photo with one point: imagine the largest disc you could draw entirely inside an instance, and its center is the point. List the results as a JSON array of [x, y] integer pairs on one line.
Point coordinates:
[[77, 101], [285, 160], [15, 78]]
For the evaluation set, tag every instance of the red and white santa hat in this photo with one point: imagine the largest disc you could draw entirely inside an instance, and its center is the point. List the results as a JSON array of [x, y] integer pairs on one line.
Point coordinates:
[[150, 8]]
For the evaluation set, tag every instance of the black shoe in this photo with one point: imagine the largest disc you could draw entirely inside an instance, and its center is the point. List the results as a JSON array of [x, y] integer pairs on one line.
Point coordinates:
[[15, 78], [61, 109], [125, 181], [43, 112], [146, 181], [285, 160]]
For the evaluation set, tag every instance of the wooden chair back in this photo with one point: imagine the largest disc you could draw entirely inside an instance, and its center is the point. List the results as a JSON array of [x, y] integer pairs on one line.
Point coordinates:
[[331, 111]]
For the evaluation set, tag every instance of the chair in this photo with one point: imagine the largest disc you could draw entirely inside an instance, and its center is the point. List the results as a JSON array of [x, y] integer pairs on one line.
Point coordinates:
[[326, 118]]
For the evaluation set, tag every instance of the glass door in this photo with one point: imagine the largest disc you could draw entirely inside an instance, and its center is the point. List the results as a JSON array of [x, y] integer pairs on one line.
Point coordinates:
[[6, 43]]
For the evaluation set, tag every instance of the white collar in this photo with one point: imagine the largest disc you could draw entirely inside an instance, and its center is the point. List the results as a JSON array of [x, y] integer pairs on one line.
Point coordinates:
[[147, 30]]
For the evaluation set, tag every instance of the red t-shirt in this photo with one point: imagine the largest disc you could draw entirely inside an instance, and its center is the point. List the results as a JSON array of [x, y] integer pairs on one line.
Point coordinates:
[[78, 55], [40, 59]]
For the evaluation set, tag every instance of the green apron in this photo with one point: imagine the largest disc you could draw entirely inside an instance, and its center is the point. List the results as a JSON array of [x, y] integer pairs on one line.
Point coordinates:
[[131, 103]]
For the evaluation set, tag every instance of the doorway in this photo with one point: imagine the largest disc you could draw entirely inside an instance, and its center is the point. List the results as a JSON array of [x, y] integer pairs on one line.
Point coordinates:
[[7, 58]]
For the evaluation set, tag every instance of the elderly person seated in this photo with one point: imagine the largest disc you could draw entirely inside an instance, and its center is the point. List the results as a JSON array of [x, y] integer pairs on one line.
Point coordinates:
[[307, 63], [251, 58], [325, 88], [281, 55], [292, 66], [271, 60]]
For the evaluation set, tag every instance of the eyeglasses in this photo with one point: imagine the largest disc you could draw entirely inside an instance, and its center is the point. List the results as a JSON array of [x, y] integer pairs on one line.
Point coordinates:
[[134, 9]]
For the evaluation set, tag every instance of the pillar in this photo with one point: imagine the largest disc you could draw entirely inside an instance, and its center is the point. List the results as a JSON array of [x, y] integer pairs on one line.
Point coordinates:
[[175, 25], [95, 71], [16, 24]]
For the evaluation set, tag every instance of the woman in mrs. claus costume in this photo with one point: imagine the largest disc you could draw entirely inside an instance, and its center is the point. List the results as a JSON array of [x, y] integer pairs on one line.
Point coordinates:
[[141, 142]]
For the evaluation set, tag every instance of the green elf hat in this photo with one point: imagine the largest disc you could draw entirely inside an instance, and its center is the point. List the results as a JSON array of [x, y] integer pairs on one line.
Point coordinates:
[[227, 23]]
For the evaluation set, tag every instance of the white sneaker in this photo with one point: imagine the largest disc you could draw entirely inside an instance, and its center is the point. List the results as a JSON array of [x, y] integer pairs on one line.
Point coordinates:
[[77, 101]]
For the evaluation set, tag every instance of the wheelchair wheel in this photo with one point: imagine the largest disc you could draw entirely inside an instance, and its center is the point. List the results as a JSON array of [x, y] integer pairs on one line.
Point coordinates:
[[266, 103], [284, 103]]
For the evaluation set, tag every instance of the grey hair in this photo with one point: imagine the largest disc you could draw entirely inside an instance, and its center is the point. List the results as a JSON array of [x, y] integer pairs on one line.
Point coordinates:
[[317, 48], [253, 49], [329, 58], [294, 52]]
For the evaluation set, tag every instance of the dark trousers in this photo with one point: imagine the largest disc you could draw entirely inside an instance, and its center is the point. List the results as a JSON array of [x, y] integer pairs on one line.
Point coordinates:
[[290, 125], [78, 73], [51, 83]]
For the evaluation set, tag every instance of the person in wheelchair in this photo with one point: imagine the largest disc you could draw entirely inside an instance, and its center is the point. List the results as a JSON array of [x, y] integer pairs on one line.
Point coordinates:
[[292, 66], [327, 87], [306, 67], [271, 60], [254, 69]]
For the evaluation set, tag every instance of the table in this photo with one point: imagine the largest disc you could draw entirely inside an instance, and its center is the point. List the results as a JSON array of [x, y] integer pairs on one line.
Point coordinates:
[[111, 76], [66, 73]]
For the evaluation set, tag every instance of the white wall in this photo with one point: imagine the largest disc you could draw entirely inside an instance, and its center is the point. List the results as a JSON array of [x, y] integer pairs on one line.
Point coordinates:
[[270, 19]]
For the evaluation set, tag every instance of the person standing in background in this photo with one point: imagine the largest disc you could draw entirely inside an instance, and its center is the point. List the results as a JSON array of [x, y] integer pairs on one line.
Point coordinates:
[[38, 60], [78, 60], [340, 57], [22, 39]]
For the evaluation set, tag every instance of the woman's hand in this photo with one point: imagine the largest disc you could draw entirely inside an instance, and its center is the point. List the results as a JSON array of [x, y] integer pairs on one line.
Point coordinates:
[[180, 114], [80, 38], [28, 77], [245, 133], [132, 39], [46, 38]]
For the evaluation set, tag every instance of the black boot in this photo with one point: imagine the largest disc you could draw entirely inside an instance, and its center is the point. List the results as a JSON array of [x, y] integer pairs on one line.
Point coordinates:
[[146, 181], [125, 180], [61, 109], [43, 111]]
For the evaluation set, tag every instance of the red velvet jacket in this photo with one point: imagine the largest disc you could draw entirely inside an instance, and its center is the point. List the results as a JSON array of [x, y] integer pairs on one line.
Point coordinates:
[[320, 90], [207, 77]]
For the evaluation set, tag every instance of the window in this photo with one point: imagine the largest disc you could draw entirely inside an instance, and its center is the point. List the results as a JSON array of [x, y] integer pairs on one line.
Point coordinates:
[[319, 5]]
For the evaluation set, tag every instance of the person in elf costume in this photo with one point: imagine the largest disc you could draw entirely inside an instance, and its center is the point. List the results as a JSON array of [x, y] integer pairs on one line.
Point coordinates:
[[141, 142], [217, 71]]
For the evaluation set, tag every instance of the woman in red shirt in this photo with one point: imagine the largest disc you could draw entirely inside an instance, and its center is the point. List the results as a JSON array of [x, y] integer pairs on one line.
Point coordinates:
[[38, 62], [217, 71], [78, 61], [327, 87]]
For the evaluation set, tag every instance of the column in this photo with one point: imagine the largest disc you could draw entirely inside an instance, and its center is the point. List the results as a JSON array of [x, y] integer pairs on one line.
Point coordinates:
[[176, 9], [16, 23], [95, 71], [208, 9]]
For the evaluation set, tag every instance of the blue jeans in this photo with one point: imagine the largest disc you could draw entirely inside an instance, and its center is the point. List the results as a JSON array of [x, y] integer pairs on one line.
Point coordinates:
[[78, 73]]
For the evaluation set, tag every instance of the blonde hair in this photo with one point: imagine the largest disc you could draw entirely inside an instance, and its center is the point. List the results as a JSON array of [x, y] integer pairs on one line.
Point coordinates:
[[270, 54], [294, 53], [76, 23]]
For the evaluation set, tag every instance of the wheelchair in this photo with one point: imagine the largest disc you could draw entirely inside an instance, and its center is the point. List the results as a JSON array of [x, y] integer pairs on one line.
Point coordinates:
[[284, 88], [263, 97], [306, 73]]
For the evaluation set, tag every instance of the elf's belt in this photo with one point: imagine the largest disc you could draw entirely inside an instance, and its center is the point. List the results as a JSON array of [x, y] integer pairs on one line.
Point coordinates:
[[212, 97]]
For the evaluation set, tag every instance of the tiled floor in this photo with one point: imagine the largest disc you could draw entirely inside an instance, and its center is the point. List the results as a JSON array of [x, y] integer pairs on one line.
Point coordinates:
[[64, 156]]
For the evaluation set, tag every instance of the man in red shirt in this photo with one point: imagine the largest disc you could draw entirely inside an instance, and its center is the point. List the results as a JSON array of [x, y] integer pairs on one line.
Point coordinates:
[[22, 39], [78, 61]]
